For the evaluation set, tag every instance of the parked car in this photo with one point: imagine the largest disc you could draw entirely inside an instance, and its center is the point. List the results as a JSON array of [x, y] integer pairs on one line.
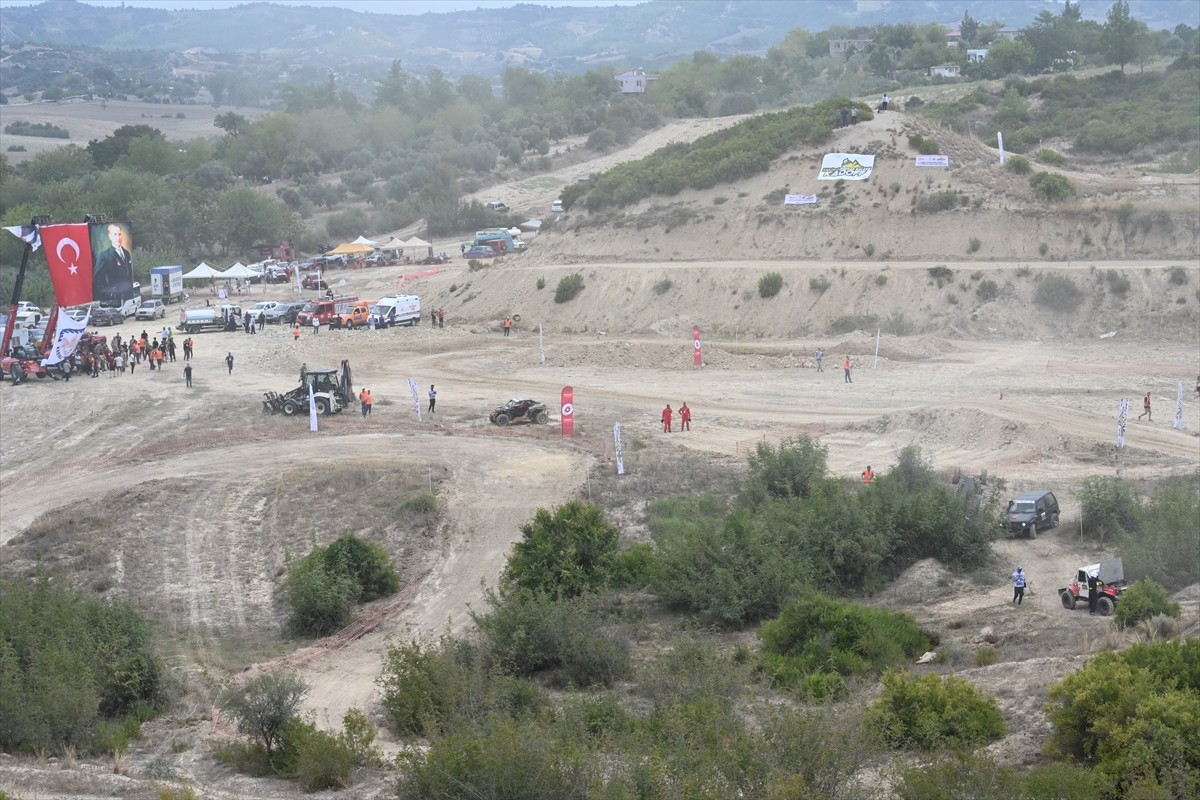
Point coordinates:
[[107, 316], [314, 280], [479, 251], [557, 207], [1031, 512], [497, 206], [151, 309], [283, 313], [261, 307]]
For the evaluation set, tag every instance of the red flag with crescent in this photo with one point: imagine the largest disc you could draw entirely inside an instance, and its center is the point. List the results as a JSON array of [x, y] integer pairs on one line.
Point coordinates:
[[695, 345], [68, 251], [568, 411]]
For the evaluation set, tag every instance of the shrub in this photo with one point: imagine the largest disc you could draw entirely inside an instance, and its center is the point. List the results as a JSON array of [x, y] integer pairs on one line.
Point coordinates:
[[1117, 282], [541, 283], [985, 656], [475, 265], [265, 707], [945, 200], [1051, 188], [1051, 157], [564, 553], [1109, 506], [1163, 542], [367, 562], [987, 290], [869, 250], [770, 284], [1018, 164], [568, 287], [931, 712], [818, 284], [323, 587], [793, 469], [1143, 600], [941, 273], [819, 634], [974, 244], [962, 774], [1058, 293], [927, 147], [1134, 716], [881, 279], [663, 286], [1177, 276]]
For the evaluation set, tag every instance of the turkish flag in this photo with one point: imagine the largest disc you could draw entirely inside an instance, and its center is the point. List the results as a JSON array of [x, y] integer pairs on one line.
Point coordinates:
[[695, 345], [568, 411], [68, 251]]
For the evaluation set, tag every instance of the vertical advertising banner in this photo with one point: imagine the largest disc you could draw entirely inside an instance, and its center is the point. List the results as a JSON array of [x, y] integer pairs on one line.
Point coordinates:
[[568, 411], [112, 263], [416, 397], [69, 258], [696, 360], [617, 448], [1179, 408], [1122, 421]]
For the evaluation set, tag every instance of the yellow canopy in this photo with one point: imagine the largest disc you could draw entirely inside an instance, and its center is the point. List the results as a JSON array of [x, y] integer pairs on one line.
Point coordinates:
[[350, 249]]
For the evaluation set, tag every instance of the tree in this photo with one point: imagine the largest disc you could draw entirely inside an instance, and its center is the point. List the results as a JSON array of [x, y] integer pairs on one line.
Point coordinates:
[[565, 553], [232, 123], [968, 27], [106, 151], [1120, 36], [244, 218], [1009, 57], [265, 706]]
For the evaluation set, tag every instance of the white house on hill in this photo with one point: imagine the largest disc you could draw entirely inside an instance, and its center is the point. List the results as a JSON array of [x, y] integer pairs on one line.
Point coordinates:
[[634, 81]]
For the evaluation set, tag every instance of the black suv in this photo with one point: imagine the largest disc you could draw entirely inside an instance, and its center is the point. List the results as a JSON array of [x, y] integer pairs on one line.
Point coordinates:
[[1031, 512]]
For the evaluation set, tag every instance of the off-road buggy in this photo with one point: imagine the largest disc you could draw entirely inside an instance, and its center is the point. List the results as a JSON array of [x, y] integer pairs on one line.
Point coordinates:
[[1110, 583], [520, 410]]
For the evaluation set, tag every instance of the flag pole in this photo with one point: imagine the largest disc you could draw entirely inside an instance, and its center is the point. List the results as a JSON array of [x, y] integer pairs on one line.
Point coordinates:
[[20, 282]]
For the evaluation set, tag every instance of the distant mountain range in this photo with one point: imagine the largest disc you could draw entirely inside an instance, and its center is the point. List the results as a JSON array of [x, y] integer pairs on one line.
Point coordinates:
[[485, 41]]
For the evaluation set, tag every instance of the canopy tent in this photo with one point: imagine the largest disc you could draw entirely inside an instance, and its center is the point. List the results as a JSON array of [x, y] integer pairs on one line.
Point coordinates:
[[366, 241], [350, 249], [238, 270], [201, 272], [417, 241], [530, 225]]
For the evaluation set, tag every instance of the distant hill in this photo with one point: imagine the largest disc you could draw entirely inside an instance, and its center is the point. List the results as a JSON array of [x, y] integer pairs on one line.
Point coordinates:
[[485, 41]]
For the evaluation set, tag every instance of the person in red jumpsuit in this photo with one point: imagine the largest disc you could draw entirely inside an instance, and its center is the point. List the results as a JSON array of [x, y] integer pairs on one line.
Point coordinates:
[[685, 418], [666, 418]]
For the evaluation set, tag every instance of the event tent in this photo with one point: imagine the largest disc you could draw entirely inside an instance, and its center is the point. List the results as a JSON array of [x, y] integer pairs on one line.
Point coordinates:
[[201, 272], [239, 270], [350, 249], [366, 241]]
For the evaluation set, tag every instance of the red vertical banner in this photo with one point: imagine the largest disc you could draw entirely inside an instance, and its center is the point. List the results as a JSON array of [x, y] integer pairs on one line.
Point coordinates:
[[568, 411], [68, 251], [696, 346]]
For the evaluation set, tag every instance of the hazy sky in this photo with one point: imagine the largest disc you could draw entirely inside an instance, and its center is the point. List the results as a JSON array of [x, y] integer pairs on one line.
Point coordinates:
[[374, 6]]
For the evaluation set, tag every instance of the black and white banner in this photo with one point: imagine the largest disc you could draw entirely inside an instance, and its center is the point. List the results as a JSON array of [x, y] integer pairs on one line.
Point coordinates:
[[617, 448], [67, 334], [1179, 408], [1122, 421], [799, 199], [416, 397], [933, 161]]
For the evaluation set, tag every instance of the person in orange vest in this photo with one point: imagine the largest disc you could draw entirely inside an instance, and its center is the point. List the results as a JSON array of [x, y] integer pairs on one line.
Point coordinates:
[[666, 418], [1146, 408], [507, 325], [685, 417], [370, 401], [295, 333], [846, 367], [868, 475], [362, 400]]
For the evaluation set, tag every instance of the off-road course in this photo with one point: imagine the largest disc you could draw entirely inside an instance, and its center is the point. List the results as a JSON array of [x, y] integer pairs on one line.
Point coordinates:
[[189, 502]]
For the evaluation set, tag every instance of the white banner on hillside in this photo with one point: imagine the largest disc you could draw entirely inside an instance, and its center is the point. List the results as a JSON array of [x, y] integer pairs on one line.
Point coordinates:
[[1179, 408], [617, 448], [1122, 421], [933, 161], [312, 410], [67, 334], [416, 397], [846, 167], [799, 199]]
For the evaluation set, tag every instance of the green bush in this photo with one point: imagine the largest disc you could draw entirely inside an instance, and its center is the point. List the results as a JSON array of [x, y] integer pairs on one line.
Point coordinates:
[[793, 469], [1051, 187], [868, 250], [367, 562], [1110, 507], [974, 244], [941, 273], [945, 200], [1134, 716], [931, 712], [564, 553], [475, 265], [978, 776], [819, 634], [987, 290], [1143, 600], [265, 706], [927, 147], [73, 672], [1051, 157], [985, 656], [1177, 276], [1058, 293], [541, 283], [323, 587], [568, 287], [663, 286], [1162, 544], [818, 284], [1118, 284], [770, 284]]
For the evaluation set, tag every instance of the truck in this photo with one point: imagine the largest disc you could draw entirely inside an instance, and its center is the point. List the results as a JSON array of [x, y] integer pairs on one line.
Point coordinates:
[[213, 318], [166, 284], [1110, 584], [359, 315], [393, 310], [500, 241], [326, 308]]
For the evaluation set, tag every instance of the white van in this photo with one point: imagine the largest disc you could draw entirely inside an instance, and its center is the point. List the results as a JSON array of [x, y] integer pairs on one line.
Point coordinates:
[[393, 310]]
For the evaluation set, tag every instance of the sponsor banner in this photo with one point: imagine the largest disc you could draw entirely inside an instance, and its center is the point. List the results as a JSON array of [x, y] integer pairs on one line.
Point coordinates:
[[416, 397], [617, 448], [933, 161], [568, 411], [1179, 408], [846, 167], [27, 234], [1122, 421], [69, 258], [696, 360], [312, 410], [67, 334], [799, 199], [112, 263]]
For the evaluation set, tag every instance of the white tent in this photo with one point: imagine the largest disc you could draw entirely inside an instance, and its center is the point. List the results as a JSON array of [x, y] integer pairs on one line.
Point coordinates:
[[201, 272], [417, 241], [366, 241], [238, 270]]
